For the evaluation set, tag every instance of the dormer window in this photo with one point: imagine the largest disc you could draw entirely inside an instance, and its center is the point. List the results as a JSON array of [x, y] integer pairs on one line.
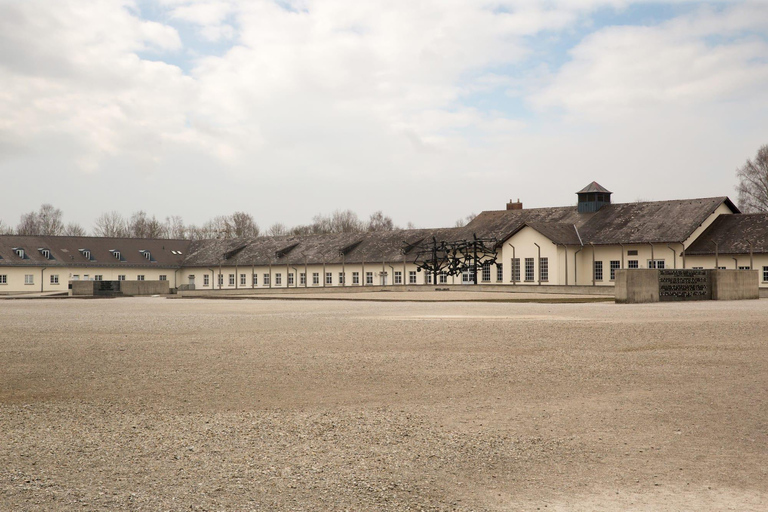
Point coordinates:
[[146, 254], [116, 254], [20, 252], [86, 254], [45, 253]]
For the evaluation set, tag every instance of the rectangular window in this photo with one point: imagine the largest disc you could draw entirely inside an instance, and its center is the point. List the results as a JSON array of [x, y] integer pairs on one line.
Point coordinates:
[[266, 279], [99, 277], [443, 278], [341, 277], [529, 269], [632, 252], [163, 277], [221, 280], [140, 277], [54, 279], [122, 278], [486, 271], [290, 278], [544, 269], [355, 277], [515, 270], [398, 277], [598, 271], [278, 279], [633, 264], [231, 279], [255, 279], [29, 279], [720, 268], [206, 279], [412, 277], [85, 277], [428, 277], [369, 278], [615, 265], [77, 277], [243, 280], [655, 263], [4, 278], [303, 279], [315, 277], [765, 275], [744, 268], [499, 273], [328, 278]]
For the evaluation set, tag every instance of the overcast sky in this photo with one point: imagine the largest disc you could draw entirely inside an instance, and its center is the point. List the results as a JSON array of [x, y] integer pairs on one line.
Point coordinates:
[[425, 109]]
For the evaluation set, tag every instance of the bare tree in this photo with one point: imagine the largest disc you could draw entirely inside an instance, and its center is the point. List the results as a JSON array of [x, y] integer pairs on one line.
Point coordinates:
[[174, 228], [753, 183], [380, 222], [465, 220], [277, 229], [142, 225], [110, 224], [46, 221], [242, 225], [74, 229], [5, 229]]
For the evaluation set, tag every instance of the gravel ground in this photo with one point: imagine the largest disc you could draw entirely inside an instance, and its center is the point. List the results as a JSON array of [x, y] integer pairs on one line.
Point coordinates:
[[157, 404]]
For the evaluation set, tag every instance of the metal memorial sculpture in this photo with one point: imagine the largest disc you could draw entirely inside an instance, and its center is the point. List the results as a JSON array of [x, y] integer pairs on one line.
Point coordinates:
[[453, 257]]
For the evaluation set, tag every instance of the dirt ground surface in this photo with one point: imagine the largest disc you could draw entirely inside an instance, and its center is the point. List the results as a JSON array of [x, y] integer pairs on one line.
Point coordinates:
[[158, 404]]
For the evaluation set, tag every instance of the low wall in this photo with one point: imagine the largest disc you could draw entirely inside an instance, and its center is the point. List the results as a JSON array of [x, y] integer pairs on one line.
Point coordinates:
[[117, 288], [653, 285], [637, 286], [735, 284], [605, 291]]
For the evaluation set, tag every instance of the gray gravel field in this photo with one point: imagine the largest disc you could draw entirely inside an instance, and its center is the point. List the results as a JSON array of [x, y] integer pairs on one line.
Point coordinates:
[[156, 404]]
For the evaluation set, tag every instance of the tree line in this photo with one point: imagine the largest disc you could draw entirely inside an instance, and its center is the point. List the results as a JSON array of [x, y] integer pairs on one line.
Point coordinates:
[[48, 221]]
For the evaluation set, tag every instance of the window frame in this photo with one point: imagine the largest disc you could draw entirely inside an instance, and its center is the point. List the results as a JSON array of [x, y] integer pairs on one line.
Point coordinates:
[[412, 277], [515, 270], [544, 270], [530, 270], [613, 266], [597, 270]]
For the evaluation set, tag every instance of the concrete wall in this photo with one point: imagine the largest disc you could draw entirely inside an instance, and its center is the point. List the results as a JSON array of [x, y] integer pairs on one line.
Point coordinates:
[[735, 285], [637, 286], [93, 288]]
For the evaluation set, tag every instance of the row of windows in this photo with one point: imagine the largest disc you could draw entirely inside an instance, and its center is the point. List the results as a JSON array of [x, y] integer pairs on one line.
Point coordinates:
[[278, 278], [530, 271], [54, 278]]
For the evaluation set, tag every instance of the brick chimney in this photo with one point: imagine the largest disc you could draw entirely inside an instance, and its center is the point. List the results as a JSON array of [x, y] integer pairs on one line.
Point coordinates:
[[514, 206]]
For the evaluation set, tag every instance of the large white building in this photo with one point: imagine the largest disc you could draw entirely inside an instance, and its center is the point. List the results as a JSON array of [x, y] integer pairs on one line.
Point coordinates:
[[573, 245]]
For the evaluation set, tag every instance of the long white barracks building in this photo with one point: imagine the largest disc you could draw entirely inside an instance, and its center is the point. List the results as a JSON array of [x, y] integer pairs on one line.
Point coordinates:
[[583, 244]]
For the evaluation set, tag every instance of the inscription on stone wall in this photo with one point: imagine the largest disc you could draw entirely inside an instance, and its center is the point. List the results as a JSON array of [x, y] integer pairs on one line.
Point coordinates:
[[684, 284]]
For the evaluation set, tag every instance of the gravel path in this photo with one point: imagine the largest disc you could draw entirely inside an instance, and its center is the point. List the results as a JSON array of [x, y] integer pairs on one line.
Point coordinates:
[[157, 404]]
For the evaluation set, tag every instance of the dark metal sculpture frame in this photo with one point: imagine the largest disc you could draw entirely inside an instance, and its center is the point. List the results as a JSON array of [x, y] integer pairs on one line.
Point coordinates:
[[454, 257]]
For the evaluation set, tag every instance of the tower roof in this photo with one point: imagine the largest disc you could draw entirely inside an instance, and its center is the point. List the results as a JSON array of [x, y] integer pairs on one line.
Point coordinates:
[[594, 187]]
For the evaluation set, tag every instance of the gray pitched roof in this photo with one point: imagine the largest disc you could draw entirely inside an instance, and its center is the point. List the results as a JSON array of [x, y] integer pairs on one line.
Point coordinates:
[[594, 187], [65, 251], [733, 233], [315, 249], [628, 223], [504, 223], [651, 221]]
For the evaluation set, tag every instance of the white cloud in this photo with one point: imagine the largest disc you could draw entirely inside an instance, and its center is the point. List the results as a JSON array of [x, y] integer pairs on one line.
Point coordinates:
[[684, 63], [363, 105]]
